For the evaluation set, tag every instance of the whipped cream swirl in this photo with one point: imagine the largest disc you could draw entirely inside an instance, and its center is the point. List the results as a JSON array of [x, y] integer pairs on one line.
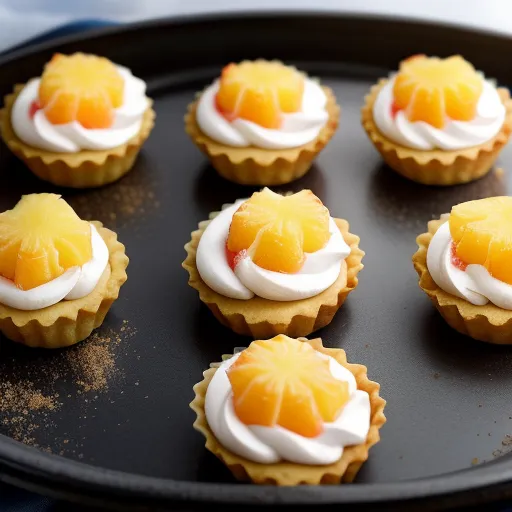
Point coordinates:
[[297, 129], [268, 445], [474, 284], [38, 132], [75, 283], [490, 115], [320, 270]]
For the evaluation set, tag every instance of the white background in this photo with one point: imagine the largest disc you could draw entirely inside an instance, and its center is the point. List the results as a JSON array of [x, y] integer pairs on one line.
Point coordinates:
[[22, 19]]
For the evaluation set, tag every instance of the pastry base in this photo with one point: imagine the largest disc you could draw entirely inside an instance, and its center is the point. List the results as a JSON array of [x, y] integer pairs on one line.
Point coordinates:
[[286, 473], [84, 169], [255, 166], [485, 323], [263, 318], [437, 167], [69, 322]]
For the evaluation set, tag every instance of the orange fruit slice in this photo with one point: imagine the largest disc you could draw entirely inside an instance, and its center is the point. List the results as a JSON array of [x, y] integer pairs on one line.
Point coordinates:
[[280, 229], [430, 89], [40, 238], [82, 88], [284, 381], [260, 92], [482, 234]]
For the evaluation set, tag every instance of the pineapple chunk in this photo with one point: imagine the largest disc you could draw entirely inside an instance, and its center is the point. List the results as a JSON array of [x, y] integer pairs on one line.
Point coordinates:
[[283, 381], [40, 238], [259, 92], [482, 233], [430, 89]]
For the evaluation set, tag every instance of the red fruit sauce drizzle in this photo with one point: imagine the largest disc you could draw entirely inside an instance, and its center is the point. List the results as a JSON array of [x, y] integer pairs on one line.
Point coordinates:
[[230, 256], [456, 261], [394, 109], [234, 257], [34, 107]]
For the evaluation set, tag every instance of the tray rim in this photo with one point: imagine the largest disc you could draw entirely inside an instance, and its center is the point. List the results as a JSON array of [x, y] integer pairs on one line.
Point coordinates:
[[47, 473]]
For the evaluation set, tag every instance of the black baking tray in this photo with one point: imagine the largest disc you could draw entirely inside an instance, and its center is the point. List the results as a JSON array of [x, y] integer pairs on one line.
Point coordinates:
[[132, 445]]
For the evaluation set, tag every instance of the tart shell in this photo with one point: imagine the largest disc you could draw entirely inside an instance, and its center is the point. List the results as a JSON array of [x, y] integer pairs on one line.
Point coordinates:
[[263, 318], [286, 473], [256, 166], [84, 169], [69, 322], [485, 323], [437, 167]]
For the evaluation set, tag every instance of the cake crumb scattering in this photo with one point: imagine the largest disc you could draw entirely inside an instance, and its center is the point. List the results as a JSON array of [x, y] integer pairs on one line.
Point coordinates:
[[31, 380]]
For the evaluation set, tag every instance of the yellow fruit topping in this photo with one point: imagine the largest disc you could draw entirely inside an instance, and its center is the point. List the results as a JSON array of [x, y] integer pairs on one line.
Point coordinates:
[[260, 92], [482, 234], [278, 230], [286, 382], [82, 88], [40, 238], [430, 89]]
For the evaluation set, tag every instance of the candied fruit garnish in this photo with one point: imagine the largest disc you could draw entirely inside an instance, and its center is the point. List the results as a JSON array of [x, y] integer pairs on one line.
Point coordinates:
[[285, 382], [277, 230], [82, 88], [40, 238], [482, 233], [431, 89], [260, 92]]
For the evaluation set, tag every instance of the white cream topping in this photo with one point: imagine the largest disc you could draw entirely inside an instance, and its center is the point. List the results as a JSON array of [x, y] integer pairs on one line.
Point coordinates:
[[320, 270], [268, 445], [73, 137], [487, 123], [475, 284], [297, 128], [75, 283]]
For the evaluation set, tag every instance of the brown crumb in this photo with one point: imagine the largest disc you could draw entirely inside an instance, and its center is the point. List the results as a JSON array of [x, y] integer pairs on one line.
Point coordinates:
[[507, 441], [25, 408], [474, 461], [437, 375], [499, 172]]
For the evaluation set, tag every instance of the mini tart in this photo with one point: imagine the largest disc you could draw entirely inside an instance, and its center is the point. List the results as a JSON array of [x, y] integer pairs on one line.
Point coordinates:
[[263, 318], [287, 473], [84, 169], [69, 322], [256, 166], [437, 167], [485, 323]]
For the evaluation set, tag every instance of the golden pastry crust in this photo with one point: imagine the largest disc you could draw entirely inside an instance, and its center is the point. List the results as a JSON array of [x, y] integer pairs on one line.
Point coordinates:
[[287, 473], [437, 167], [485, 323], [84, 169], [69, 322], [263, 318], [256, 166]]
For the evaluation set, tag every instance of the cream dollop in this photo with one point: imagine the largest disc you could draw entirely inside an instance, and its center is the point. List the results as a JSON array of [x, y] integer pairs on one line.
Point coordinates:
[[268, 445], [297, 128], [475, 284], [73, 137], [320, 270], [455, 134], [75, 283]]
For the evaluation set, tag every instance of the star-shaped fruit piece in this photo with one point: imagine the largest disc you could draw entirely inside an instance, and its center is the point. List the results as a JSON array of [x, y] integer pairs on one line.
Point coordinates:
[[431, 89], [278, 230], [482, 233], [260, 92], [82, 88], [286, 382], [40, 238]]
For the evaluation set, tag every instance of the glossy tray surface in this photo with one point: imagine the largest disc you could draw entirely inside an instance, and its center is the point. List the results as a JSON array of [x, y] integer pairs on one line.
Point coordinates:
[[129, 440]]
